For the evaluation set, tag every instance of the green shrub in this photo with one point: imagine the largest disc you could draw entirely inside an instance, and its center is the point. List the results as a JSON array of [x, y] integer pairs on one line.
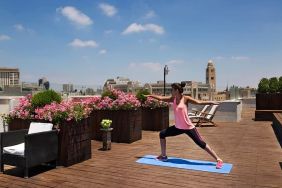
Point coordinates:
[[140, 95], [110, 94], [280, 84], [45, 97], [263, 86], [273, 85]]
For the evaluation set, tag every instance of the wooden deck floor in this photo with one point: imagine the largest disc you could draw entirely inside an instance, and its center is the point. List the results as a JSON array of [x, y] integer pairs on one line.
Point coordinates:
[[250, 146]]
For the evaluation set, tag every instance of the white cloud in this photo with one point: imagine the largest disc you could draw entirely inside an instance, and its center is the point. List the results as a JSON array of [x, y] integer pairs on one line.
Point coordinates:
[[228, 58], [107, 32], [75, 16], [137, 28], [81, 44], [103, 51], [19, 27], [174, 62], [155, 66], [108, 10], [150, 66], [152, 40], [150, 14], [164, 47], [219, 57], [4, 37], [240, 58]]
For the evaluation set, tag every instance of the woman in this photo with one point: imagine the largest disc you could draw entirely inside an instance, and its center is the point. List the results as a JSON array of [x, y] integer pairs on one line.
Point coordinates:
[[182, 122]]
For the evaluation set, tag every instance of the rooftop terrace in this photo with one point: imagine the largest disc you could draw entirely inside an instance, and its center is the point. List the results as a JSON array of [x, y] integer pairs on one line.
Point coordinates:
[[250, 146]]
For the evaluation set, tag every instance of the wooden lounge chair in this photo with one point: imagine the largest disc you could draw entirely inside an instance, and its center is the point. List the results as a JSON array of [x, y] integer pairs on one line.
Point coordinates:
[[205, 118], [28, 148], [198, 112]]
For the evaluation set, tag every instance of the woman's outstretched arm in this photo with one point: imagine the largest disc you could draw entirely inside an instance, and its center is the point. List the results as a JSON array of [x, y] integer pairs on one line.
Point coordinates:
[[161, 98], [189, 99]]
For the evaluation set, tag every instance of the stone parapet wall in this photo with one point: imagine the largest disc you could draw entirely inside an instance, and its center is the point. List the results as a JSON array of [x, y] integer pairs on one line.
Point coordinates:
[[228, 111]]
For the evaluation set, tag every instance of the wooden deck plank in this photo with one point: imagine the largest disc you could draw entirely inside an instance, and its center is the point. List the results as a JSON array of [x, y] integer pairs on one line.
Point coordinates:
[[250, 146]]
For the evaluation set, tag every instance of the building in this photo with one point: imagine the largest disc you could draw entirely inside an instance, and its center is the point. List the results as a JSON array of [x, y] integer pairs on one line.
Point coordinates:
[[158, 88], [89, 91], [221, 96], [10, 82], [247, 92], [9, 77], [203, 91], [122, 84], [32, 88], [68, 88], [211, 79], [28, 86], [42, 82], [236, 92], [211, 76], [197, 90]]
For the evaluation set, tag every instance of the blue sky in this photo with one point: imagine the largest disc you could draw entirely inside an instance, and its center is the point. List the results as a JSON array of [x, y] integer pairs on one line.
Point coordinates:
[[86, 42]]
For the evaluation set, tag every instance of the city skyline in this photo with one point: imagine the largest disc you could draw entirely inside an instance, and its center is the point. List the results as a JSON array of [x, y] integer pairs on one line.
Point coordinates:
[[87, 42]]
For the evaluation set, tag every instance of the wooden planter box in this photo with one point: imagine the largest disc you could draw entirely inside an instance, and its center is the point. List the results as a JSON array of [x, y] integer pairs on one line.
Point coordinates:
[[277, 126], [18, 124], [127, 127], [155, 119], [267, 104], [269, 101], [74, 140]]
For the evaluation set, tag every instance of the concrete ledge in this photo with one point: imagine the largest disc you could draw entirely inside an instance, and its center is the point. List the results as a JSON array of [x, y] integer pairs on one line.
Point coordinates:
[[228, 111]]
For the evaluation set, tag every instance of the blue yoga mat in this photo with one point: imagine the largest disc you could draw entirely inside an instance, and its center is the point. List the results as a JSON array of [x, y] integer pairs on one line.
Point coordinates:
[[186, 164]]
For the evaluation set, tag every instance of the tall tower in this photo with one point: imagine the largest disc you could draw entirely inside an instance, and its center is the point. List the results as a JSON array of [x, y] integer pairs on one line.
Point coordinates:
[[211, 78]]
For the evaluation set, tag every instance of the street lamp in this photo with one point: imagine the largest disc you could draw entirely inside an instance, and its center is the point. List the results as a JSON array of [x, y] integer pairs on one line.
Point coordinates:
[[165, 73]]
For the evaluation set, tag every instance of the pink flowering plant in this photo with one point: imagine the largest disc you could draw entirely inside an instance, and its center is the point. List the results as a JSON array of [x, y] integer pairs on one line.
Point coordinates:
[[118, 100], [91, 102], [54, 112], [154, 103], [66, 110], [112, 99], [73, 109], [149, 102], [23, 110]]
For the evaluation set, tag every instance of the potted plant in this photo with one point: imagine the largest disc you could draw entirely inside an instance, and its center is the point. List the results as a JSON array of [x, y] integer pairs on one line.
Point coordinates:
[[155, 113], [106, 135], [280, 84], [6, 118], [124, 111], [70, 118], [268, 98]]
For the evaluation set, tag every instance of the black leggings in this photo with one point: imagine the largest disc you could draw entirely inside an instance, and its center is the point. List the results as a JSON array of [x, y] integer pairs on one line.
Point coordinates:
[[192, 133]]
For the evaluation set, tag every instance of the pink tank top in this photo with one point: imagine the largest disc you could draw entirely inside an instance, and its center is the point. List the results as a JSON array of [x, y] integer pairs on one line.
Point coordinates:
[[182, 121]]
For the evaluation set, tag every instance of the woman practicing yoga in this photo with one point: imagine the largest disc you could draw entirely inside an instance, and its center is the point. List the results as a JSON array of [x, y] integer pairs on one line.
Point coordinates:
[[182, 122]]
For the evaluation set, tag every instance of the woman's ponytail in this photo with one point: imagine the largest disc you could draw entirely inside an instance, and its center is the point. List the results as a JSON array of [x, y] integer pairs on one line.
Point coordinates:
[[178, 86]]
